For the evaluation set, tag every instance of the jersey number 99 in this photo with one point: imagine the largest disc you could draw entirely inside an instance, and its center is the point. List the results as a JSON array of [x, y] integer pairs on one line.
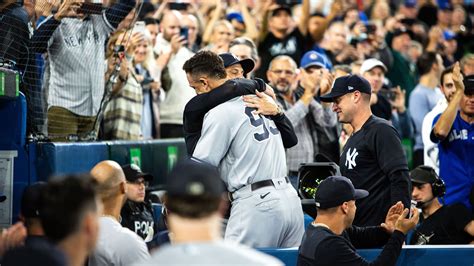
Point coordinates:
[[259, 122]]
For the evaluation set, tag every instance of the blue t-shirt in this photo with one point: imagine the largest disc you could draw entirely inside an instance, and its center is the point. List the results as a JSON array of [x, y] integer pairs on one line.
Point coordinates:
[[456, 161]]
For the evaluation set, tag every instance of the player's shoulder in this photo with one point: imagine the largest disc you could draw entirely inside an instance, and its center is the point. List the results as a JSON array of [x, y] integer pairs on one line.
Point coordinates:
[[377, 123]]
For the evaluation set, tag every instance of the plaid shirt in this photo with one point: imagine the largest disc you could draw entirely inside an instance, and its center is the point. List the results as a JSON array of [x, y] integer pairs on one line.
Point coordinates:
[[300, 116]]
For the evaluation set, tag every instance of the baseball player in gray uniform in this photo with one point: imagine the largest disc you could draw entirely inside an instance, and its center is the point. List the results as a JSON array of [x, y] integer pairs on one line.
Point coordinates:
[[248, 149]]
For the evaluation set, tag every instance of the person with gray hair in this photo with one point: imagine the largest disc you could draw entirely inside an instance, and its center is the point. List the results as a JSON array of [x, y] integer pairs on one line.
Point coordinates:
[[245, 48]]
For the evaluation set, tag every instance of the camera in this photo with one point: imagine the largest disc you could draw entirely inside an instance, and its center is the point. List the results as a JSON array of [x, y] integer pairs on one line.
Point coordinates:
[[178, 6]]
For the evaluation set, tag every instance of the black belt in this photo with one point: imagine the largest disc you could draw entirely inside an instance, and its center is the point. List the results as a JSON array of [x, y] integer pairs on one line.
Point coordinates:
[[265, 183], [257, 185]]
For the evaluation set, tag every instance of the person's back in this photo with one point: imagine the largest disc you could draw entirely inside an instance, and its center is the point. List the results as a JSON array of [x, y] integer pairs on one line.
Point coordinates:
[[212, 253], [117, 245], [250, 146]]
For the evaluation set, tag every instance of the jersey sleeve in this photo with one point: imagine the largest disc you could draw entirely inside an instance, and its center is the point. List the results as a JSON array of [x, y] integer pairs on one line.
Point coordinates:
[[392, 160], [216, 137]]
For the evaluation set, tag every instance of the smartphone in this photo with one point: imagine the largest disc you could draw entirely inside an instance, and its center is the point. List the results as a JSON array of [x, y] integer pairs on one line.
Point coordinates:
[[90, 8], [412, 206], [184, 32], [178, 6], [139, 27]]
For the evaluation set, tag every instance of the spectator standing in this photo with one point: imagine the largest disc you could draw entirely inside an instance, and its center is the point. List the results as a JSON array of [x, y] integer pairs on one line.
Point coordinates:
[[373, 157], [194, 199], [430, 149], [453, 130], [300, 105], [123, 113], [400, 72], [280, 35], [425, 97], [171, 56], [75, 41], [332, 239], [392, 108], [116, 245], [439, 224]]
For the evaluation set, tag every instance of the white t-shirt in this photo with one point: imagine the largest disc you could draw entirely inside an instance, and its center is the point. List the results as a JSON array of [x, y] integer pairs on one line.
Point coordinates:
[[210, 253], [117, 245], [430, 149]]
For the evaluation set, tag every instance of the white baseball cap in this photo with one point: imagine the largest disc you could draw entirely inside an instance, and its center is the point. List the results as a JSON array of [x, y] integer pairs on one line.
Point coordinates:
[[369, 64]]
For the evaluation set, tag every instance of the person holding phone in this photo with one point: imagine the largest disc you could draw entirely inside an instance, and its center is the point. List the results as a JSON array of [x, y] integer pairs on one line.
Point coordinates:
[[172, 53], [75, 40]]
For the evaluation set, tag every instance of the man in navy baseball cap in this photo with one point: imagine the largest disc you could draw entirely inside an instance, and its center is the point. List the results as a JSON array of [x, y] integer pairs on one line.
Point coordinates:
[[235, 67], [332, 234], [347, 84], [335, 190]]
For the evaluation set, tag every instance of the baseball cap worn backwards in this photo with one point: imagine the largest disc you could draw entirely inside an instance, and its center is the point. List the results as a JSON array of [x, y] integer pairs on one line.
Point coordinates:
[[347, 84], [335, 190], [194, 179]]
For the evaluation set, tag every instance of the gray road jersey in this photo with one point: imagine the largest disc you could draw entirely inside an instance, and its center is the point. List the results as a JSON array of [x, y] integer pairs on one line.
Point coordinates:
[[212, 253], [246, 147], [76, 56]]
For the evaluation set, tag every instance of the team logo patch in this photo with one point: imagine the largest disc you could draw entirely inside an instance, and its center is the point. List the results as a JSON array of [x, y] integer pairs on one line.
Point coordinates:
[[350, 88], [351, 155]]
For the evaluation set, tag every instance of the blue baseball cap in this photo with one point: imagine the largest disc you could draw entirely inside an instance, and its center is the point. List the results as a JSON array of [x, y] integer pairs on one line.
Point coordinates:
[[347, 84], [312, 58], [445, 5], [235, 15], [335, 190], [410, 3], [449, 35]]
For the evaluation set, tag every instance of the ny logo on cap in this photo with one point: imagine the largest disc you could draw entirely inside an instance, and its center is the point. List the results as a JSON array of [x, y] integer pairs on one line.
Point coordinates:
[[350, 88]]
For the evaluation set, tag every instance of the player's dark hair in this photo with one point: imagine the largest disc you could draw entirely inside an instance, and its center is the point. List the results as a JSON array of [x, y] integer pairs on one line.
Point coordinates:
[[65, 201], [192, 207], [205, 63], [444, 73], [425, 62]]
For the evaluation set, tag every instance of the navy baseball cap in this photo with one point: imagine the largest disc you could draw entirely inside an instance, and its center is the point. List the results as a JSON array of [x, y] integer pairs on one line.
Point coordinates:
[[335, 190], [192, 178], [31, 200], [230, 59], [133, 172], [312, 58], [347, 84], [235, 15]]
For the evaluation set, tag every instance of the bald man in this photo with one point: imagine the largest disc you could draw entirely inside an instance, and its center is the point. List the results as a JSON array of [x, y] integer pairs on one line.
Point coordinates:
[[172, 53], [116, 245]]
